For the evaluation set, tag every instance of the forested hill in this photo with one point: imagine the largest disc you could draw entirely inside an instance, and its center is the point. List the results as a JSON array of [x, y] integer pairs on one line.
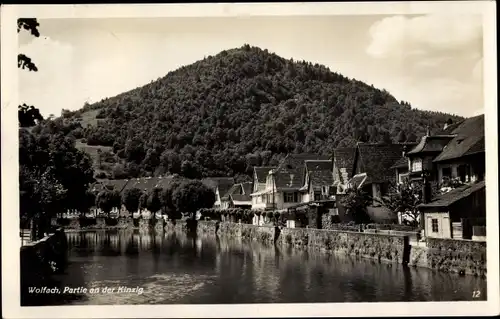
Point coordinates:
[[243, 107]]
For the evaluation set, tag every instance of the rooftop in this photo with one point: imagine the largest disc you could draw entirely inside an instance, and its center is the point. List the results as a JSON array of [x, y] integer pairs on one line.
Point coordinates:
[[469, 139], [453, 196]]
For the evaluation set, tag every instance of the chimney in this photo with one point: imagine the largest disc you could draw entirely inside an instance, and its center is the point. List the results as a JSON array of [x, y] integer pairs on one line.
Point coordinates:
[[428, 133], [404, 150]]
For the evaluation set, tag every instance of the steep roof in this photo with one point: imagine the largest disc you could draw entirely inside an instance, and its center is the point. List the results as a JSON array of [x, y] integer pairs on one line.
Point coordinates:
[[262, 172], [247, 187], [320, 172], [469, 139], [376, 160], [358, 180], [221, 183], [241, 198], [148, 183], [235, 189], [291, 171], [431, 144], [343, 158], [400, 163], [451, 197]]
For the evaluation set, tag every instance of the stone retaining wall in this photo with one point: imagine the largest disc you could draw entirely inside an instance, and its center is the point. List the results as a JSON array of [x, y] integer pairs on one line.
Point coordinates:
[[375, 246], [457, 256]]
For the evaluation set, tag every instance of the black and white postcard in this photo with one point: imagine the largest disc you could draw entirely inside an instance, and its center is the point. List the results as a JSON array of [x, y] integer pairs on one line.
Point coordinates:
[[248, 160]]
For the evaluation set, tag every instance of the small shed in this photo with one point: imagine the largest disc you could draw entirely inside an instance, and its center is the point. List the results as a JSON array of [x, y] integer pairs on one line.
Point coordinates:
[[456, 213]]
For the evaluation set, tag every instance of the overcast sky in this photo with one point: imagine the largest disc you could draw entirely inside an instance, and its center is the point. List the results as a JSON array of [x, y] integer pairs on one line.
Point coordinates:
[[434, 62]]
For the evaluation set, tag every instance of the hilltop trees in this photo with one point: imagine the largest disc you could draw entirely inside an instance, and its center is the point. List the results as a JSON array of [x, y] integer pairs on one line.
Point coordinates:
[[216, 116]]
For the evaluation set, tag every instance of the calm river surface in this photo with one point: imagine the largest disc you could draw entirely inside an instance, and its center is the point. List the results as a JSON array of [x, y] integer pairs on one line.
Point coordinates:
[[176, 269]]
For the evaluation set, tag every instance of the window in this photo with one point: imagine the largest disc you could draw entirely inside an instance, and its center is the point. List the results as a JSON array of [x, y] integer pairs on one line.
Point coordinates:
[[317, 195], [435, 225], [291, 197], [416, 165], [333, 211]]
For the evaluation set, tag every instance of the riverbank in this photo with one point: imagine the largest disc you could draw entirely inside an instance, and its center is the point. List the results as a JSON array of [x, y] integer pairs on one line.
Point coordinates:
[[40, 262], [464, 257]]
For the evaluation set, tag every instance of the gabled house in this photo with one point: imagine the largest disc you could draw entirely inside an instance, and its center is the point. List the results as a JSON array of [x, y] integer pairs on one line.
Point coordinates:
[[283, 184], [463, 158], [459, 213], [318, 181], [420, 158], [220, 186], [343, 162], [401, 166], [373, 172], [457, 152], [238, 196], [261, 198]]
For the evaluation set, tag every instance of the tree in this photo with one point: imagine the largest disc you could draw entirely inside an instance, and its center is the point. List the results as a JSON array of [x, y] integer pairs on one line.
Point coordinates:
[[107, 200], [167, 201], [131, 199], [356, 201], [41, 195], [404, 199], [28, 115], [192, 195], [154, 202], [54, 175]]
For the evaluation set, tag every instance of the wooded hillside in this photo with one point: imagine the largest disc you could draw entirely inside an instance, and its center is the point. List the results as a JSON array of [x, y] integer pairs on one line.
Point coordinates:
[[243, 107]]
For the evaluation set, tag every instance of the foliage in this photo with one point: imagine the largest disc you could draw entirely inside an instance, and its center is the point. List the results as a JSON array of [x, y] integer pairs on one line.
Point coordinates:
[[130, 199], [356, 200], [167, 201], [28, 115], [107, 200], [404, 198], [190, 196], [243, 107], [154, 201], [42, 152]]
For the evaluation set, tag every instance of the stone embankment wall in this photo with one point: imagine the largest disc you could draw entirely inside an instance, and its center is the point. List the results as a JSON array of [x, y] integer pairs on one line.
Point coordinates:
[[457, 256], [375, 246], [39, 261]]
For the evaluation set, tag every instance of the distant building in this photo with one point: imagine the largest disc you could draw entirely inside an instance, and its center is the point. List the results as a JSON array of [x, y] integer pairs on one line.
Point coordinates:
[[238, 196], [318, 181], [373, 172], [220, 186], [284, 184], [343, 163], [457, 152]]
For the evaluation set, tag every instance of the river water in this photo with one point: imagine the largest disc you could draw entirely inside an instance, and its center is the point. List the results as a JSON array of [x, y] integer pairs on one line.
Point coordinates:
[[169, 268]]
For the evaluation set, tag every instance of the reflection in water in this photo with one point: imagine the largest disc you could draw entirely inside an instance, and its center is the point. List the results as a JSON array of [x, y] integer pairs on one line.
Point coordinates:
[[175, 268]]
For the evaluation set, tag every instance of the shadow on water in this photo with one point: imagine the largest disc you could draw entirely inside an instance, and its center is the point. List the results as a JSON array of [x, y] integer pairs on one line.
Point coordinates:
[[176, 268]]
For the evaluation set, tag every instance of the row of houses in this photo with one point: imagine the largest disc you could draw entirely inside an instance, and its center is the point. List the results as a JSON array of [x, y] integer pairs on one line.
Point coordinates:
[[456, 155]]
